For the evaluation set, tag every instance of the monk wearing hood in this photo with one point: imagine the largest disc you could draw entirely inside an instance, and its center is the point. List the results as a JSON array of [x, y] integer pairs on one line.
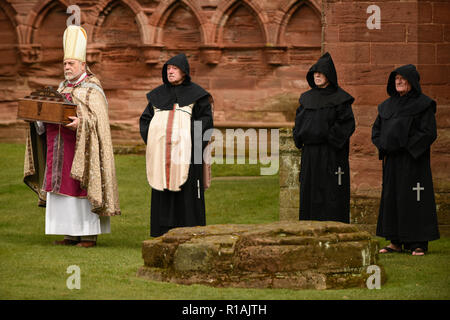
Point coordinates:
[[324, 123], [403, 132], [174, 126]]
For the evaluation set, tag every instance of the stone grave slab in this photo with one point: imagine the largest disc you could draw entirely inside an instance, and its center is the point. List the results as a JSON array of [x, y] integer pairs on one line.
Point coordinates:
[[284, 254]]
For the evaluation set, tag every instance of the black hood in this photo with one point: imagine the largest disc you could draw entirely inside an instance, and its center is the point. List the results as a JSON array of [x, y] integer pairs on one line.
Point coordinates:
[[330, 96], [409, 72], [410, 104], [324, 65], [166, 95], [181, 62]]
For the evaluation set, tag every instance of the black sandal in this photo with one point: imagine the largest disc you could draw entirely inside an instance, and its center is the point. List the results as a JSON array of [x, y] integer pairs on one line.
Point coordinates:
[[389, 250]]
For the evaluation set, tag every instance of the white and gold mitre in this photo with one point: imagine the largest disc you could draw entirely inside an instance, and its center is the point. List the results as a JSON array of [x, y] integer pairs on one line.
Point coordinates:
[[75, 42]]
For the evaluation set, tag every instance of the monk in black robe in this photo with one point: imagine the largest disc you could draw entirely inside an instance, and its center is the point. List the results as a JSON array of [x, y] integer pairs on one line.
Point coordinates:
[[403, 132], [324, 123], [173, 126]]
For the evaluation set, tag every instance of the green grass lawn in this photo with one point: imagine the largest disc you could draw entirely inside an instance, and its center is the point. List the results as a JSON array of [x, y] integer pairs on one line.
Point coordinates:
[[32, 268]]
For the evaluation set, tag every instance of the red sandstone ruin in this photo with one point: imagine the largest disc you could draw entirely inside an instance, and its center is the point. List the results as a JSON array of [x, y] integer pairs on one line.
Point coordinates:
[[252, 55]]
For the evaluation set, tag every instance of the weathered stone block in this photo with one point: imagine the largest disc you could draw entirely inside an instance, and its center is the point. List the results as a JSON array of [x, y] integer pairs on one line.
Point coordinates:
[[364, 210], [194, 256], [289, 171], [358, 33], [288, 214], [289, 198], [158, 254], [295, 255]]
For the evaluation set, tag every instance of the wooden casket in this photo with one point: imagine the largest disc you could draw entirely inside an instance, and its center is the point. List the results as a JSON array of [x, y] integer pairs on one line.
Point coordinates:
[[46, 105]]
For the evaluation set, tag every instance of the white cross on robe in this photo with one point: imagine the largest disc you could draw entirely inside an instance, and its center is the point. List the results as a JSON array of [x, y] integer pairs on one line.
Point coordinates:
[[418, 188], [339, 173]]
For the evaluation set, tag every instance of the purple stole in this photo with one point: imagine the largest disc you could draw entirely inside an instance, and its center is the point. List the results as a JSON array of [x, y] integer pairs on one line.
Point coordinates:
[[60, 152]]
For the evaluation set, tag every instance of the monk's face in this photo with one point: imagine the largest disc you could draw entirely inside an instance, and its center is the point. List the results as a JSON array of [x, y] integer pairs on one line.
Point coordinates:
[[175, 75], [73, 69], [320, 80], [402, 85]]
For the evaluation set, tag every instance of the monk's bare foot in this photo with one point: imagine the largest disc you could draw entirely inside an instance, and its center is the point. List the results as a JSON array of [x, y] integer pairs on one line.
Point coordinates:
[[391, 248], [418, 252]]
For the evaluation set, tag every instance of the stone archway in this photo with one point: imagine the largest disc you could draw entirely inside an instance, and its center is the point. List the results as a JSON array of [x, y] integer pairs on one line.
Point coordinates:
[[165, 11], [48, 32], [9, 64], [140, 18], [8, 40], [36, 17], [240, 22], [116, 59], [180, 27], [37, 28], [9, 23], [301, 26], [116, 26]]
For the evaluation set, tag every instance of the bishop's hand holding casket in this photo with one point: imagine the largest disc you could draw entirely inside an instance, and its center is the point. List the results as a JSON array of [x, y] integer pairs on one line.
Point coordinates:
[[71, 166]]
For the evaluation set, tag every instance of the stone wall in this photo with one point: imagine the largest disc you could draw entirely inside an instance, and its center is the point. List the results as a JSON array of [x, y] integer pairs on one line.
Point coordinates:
[[289, 176], [252, 55]]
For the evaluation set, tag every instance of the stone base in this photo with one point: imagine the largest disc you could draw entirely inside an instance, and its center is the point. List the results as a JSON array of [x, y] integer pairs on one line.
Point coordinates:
[[292, 255]]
